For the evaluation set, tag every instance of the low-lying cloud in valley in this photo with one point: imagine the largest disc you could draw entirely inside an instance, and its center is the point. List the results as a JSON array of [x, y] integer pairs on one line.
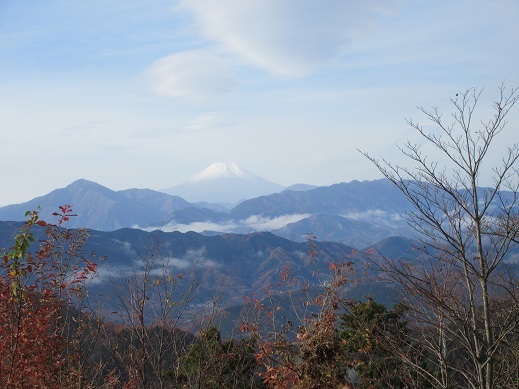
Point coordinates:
[[374, 214], [191, 258], [253, 223], [158, 266]]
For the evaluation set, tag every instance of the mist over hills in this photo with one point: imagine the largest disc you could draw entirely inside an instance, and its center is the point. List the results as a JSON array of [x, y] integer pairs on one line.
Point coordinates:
[[243, 264], [241, 249], [344, 198], [360, 233], [236, 265], [355, 213]]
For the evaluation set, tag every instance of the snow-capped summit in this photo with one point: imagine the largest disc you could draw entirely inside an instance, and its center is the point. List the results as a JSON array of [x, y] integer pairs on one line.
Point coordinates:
[[221, 170], [224, 182]]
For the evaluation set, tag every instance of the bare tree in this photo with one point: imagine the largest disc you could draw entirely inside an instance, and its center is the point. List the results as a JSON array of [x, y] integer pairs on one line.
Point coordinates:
[[464, 296], [152, 302]]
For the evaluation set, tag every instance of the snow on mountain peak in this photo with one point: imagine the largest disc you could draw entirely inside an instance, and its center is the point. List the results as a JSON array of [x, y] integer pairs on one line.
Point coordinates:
[[223, 182], [221, 170]]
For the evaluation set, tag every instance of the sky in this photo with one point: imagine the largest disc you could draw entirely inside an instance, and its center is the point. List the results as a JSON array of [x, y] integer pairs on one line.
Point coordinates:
[[145, 94]]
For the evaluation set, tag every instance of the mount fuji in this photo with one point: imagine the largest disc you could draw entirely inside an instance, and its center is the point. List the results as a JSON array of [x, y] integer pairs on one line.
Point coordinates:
[[223, 182]]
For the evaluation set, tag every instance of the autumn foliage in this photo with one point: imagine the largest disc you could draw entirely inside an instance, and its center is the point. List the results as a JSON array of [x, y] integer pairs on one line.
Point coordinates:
[[301, 347], [36, 292], [457, 324]]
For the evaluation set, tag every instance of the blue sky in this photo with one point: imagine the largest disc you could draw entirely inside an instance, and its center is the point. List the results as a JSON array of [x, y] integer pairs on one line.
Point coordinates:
[[147, 93]]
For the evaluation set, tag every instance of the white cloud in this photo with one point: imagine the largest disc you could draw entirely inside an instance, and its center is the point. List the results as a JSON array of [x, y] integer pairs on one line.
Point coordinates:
[[193, 74], [178, 263], [126, 247], [207, 121], [251, 224], [192, 257], [290, 37], [377, 215], [260, 223], [196, 227]]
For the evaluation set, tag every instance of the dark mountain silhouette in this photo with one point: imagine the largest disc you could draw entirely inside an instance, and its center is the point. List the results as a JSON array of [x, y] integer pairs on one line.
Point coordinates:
[[356, 213], [396, 247], [338, 199], [101, 208], [240, 264], [358, 233]]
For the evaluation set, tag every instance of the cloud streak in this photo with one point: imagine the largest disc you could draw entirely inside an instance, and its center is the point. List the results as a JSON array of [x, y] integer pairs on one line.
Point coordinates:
[[195, 257], [292, 38], [289, 38], [207, 121], [195, 74], [377, 215], [251, 224]]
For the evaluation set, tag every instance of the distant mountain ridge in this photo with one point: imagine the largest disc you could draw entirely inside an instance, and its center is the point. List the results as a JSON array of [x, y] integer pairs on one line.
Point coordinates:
[[355, 213], [337, 199], [224, 182], [101, 208], [246, 263]]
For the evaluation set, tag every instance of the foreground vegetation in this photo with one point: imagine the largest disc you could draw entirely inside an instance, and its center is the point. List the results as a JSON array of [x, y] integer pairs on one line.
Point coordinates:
[[456, 325]]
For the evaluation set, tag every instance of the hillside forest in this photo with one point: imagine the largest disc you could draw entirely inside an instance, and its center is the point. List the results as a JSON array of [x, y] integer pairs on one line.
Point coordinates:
[[445, 314]]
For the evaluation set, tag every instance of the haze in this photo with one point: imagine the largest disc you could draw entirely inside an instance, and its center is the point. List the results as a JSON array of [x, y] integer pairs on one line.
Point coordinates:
[[146, 94]]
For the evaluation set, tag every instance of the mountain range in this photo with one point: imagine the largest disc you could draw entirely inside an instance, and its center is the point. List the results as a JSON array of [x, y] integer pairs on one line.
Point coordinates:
[[238, 265], [230, 267], [355, 213], [101, 208], [234, 252]]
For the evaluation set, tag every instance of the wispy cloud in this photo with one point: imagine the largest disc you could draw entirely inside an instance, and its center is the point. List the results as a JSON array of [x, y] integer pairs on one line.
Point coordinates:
[[162, 265], [195, 74], [126, 248], [192, 257], [260, 223], [87, 127], [375, 215], [207, 121], [290, 38], [196, 227], [251, 224]]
